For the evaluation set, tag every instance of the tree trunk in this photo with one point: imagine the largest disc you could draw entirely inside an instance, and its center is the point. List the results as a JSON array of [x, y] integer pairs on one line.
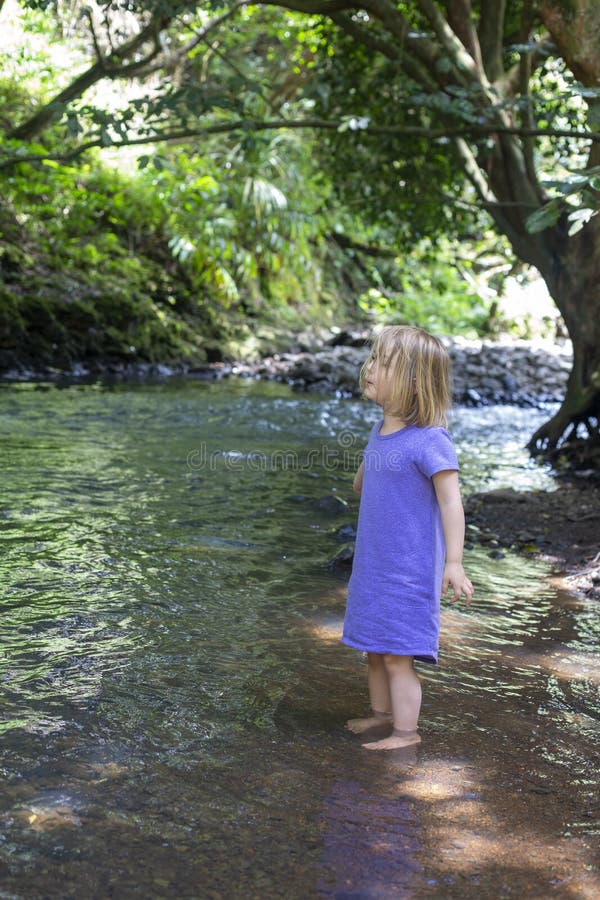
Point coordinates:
[[574, 284], [570, 266]]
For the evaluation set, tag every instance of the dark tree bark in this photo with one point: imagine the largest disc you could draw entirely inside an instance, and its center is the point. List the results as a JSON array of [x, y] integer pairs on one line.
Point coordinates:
[[574, 282]]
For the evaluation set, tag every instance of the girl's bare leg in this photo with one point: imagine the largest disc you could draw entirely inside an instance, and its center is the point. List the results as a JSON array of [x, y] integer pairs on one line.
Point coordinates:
[[405, 694], [379, 695]]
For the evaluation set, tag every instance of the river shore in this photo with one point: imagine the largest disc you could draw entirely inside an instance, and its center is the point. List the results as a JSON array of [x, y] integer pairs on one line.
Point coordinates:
[[525, 373]]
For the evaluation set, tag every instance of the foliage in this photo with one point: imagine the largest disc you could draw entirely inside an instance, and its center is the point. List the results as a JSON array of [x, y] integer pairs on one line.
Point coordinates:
[[172, 256], [409, 185], [245, 221], [430, 290], [575, 198], [81, 280]]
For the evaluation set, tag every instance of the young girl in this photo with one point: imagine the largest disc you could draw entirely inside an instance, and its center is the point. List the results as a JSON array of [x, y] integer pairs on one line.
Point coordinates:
[[411, 527]]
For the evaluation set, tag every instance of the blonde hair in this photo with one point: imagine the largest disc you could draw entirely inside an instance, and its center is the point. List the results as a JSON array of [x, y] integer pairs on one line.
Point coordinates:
[[420, 368]]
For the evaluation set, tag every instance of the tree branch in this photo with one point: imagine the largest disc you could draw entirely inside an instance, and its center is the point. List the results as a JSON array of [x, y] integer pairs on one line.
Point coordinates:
[[422, 48], [530, 248], [460, 19], [527, 118], [90, 18], [103, 68], [249, 125], [509, 84], [109, 67], [323, 7], [465, 67], [201, 34], [366, 37], [348, 243], [412, 67], [491, 33]]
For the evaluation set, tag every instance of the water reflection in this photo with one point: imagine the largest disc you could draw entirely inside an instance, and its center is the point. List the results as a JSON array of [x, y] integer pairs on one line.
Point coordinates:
[[174, 689]]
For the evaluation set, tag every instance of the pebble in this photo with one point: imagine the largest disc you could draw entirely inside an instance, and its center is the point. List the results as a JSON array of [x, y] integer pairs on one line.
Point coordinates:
[[341, 563]]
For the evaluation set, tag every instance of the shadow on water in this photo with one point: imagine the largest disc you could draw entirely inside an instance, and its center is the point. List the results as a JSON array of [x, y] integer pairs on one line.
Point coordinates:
[[174, 688]]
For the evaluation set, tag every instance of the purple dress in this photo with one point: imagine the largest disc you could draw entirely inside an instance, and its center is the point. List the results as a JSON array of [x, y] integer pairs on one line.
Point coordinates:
[[394, 591]]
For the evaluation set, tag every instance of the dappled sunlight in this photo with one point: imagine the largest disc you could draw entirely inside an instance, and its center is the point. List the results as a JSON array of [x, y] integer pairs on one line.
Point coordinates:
[[471, 825], [565, 664], [437, 780], [465, 851]]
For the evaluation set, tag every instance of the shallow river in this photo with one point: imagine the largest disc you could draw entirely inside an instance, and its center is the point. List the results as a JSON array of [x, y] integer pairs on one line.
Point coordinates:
[[174, 689]]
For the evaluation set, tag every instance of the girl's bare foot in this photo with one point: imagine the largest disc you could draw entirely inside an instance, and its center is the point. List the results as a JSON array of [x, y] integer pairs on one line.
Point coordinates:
[[358, 726], [395, 741]]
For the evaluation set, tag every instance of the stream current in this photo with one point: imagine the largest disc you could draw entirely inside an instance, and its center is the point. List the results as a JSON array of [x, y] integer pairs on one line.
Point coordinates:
[[174, 689]]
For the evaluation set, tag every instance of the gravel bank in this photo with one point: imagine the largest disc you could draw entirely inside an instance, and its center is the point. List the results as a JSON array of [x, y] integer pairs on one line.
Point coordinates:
[[525, 373]]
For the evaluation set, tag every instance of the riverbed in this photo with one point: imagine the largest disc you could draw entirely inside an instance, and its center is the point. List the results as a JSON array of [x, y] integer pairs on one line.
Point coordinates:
[[175, 690]]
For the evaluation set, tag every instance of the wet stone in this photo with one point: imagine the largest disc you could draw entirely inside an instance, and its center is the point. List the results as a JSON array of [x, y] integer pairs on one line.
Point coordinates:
[[331, 505], [341, 563], [497, 554], [346, 533]]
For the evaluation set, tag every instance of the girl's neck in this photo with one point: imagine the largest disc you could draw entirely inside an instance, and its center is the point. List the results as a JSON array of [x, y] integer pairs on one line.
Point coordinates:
[[391, 423]]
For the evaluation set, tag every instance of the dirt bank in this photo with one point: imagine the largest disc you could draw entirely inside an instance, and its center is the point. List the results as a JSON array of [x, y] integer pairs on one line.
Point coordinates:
[[562, 526]]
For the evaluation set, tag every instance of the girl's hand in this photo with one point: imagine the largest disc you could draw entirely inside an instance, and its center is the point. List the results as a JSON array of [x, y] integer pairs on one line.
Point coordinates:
[[454, 577]]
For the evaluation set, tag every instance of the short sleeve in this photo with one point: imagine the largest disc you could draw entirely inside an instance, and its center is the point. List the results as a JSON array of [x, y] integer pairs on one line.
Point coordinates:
[[437, 452]]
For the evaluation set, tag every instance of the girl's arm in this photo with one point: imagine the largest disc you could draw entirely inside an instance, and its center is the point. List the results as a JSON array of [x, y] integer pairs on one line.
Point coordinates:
[[447, 491], [358, 479]]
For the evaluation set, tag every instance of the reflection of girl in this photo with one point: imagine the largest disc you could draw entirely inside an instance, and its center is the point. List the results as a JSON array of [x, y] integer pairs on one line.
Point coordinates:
[[410, 528]]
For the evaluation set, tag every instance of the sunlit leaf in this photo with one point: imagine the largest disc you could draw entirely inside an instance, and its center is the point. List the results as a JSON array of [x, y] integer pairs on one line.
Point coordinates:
[[544, 217]]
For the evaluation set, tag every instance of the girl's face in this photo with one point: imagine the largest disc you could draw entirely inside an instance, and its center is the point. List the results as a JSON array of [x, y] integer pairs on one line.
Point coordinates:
[[378, 382]]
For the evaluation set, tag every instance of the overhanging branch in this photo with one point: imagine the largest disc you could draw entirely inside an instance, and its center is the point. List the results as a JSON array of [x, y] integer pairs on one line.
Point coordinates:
[[347, 126], [312, 7], [115, 65]]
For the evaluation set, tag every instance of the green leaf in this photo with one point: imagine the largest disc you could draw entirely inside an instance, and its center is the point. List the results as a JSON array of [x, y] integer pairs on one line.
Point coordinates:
[[544, 217]]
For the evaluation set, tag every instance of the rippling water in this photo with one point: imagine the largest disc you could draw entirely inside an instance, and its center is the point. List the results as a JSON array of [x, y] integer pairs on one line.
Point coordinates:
[[173, 685]]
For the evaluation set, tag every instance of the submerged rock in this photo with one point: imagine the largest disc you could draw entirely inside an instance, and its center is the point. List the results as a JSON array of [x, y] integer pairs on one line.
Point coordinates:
[[341, 563], [346, 533], [331, 505]]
